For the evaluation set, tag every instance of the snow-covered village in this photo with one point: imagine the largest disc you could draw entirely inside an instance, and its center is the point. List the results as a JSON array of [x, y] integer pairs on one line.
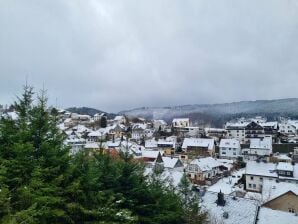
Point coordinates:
[[245, 172], [148, 112]]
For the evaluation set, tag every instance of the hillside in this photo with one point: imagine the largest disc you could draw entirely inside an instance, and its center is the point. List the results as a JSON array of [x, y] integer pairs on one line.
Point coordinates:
[[217, 114], [88, 111]]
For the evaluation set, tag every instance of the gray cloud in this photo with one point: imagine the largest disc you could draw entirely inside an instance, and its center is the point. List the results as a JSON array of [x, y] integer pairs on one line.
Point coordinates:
[[116, 55]]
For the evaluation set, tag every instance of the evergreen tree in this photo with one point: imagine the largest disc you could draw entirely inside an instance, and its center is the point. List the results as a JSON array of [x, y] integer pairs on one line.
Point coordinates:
[[190, 203], [40, 182], [103, 122]]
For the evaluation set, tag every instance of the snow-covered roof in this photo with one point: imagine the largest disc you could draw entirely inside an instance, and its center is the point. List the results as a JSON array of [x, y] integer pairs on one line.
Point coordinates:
[[272, 124], [119, 118], [170, 162], [282, 157], [261, 169], [240, 210], [207, 163], [214, 130], [285, 166], [151, 143], [236, 125], [81, 128], [96, 133], [257, 143], [267, 215], [150, 154], [180, 120], [229, 143], [198, 142], [273, 189], [111, 144], [92, 145], [160, 122]]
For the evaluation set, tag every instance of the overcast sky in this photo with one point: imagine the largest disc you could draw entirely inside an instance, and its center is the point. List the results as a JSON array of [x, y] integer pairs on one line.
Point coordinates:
[[115, 55]]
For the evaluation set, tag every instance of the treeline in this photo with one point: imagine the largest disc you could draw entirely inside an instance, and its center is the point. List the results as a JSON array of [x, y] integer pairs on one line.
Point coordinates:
[[40, 182]]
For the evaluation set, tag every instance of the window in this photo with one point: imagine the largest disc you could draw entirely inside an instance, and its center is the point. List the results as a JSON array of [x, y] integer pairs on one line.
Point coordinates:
[[254, 186], [223, 153], [289, 173], [234, 153], [251, 178], [249, 185], [261, 178]]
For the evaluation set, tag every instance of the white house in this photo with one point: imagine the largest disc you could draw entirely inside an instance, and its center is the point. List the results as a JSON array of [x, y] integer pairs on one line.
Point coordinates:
[[259, 148], [159, 124], [236, 130], [258, 172], [181, 122], [205, 169], [229, 148]]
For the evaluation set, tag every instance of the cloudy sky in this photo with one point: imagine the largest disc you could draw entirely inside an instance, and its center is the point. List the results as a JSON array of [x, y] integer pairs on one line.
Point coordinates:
[[116, 55]]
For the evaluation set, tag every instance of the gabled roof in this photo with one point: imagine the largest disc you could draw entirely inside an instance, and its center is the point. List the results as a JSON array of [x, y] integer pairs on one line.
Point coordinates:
[[272, 189], [170, 162], [257, 143], [229, 143], [285, 166], [206, 164], [261, 169], [198, 142]]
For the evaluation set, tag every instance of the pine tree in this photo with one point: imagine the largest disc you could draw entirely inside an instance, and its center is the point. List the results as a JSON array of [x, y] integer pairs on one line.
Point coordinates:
[[190, 203], [103, 122]]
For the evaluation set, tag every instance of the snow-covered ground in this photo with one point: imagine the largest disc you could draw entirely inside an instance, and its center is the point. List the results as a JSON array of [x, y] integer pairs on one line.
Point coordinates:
[[268, 215], [239, 210], [226, 185]]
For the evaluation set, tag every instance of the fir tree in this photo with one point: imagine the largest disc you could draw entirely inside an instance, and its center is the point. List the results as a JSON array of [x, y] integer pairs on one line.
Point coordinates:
[[190, 203]]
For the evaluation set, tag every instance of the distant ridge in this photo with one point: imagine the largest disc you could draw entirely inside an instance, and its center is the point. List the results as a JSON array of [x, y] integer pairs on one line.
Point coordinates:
[[217, 114], [88, 111]]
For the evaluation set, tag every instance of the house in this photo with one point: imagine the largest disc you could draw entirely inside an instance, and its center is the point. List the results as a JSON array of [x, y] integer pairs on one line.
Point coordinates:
[[258, 172], [151, 144], [199, 146], [216, 133], [271, 128], [229, 148], [254, 130], [149, 156], [119, 119], [167, 146], [288, 127], [280, 196], [117, 131], [236, 130], [287, 202], [259, 148], [205, 170], [97, 116], [172, 162], [277, 157], [181, 122], [138, 133], [159, 125]]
